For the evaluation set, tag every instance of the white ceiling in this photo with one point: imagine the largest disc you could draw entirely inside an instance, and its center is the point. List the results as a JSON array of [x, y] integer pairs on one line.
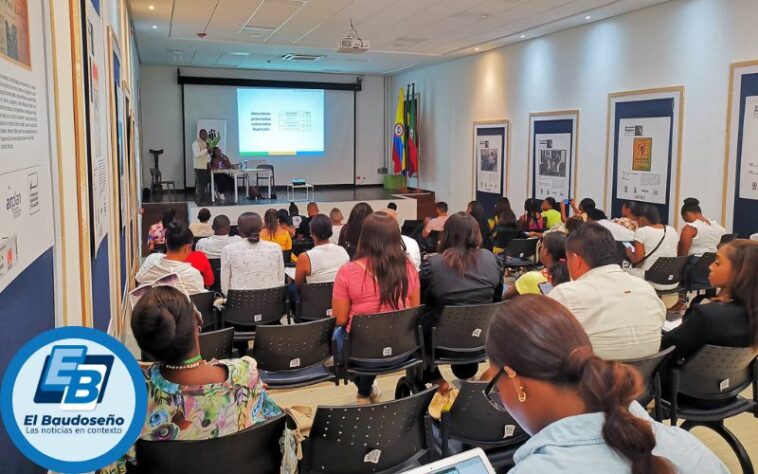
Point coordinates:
[[254, 34]]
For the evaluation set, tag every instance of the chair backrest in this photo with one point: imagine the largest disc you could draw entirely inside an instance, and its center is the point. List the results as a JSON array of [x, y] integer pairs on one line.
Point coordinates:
[[698, 272], [464, 327], [254, 450], [717, 372], [315, 301], [217, 344], [254, 307], [409, 226], [522, 248], [388, 337], [293, 346], [216, 268], [287, 256], [726, 238], [383, 437], [649, 366], [473, 420], [204, 303], [504, 237], [667, 270], [301, 245]]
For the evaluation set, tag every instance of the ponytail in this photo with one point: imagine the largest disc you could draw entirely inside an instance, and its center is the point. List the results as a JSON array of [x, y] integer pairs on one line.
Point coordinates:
[[611, 387]]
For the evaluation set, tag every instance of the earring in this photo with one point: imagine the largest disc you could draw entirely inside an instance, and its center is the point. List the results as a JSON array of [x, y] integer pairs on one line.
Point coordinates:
[[521, 394]]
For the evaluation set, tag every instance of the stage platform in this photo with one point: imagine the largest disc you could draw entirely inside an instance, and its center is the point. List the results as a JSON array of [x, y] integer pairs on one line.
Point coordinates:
[[411, 205]]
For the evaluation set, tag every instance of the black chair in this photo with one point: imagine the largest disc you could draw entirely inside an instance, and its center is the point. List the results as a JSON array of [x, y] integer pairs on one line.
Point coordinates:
[[245, 309], [216, 267], [195, 240], [520, 253], [287, 256], [301, 245], [649, 368], [217, 344], [254, 450], [385, 437], [504, 237], [667, 271], [726, 238], [204, 303], [459, 335], [410, 226], [429, 244], [383, 343], [696, 272], [315, 302], [473, 423], [293, 355], [714, 374]]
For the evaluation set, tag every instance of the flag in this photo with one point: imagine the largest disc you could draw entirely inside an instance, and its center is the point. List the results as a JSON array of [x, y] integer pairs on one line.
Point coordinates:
[[398, 136], [412, 157]]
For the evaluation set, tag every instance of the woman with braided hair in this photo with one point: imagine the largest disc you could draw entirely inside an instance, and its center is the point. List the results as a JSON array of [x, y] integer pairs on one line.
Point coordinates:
[[580, 409]]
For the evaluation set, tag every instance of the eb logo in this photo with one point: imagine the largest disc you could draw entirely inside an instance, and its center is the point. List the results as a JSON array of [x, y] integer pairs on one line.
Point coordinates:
[[73, 379]]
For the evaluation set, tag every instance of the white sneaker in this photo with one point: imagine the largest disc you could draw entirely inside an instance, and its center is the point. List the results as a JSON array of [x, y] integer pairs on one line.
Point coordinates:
[[376, 393]]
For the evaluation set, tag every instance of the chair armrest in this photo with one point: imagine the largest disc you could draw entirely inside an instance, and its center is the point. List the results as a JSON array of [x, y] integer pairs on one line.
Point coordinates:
[[674, 392], [755, 386], [244, 336]]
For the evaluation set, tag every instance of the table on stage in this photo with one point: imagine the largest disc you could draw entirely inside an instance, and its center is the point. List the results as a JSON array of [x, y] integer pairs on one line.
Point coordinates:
[[236, 173]]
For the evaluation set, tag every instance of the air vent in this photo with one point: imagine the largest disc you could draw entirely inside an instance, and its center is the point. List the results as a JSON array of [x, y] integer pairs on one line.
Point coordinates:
[[300, 57]]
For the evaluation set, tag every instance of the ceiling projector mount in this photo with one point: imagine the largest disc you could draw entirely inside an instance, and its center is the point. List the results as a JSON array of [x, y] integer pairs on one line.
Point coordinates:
[[352, 42]]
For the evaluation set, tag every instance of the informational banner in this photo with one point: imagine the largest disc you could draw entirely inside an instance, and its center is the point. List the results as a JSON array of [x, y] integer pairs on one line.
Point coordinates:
[[553, 159], [489, 153], [643, 159], [749, 157], [216, 129], [26, 216], [98, 121]]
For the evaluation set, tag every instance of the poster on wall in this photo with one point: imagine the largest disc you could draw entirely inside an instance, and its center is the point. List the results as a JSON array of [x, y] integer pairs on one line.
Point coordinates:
[[749, 155], [552, 157], [489, 169], [643, 159], [25, 148], [216, 129], [117, 123], [98, 144]]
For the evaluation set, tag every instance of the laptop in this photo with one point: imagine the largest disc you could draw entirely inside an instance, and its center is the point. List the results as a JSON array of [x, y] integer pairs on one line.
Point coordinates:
[[468, 462]]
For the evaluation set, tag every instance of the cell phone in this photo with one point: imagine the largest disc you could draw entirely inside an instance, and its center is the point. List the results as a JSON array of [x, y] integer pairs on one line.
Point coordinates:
[[545, 287], [629, 246], [566, 202]]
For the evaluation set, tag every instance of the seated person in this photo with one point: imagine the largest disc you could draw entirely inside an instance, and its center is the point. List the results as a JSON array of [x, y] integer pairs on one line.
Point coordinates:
[[273, 232], [379, 279], [190, 398], [621, 314], [285, 222], [321, 263], [460, 273], [627, 216], [504, 226], [336, 216], [223, 182], [700, 234], [251, 263], [652, 240], [553, 257], [412, 249], [532, 220], [619, 232], [297, 219], [551, 212], [476, 210], [731, 318], [202, 228], [199, 261], [579, 409], [579, 210], [213, 245], [304, 229], [157, 265], [156, 234], [437, 223], [351, 232]]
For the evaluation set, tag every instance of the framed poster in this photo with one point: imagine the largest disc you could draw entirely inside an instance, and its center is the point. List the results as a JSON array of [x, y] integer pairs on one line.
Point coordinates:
[[740, 197], [644, 149], [491, 145], [553, 145]]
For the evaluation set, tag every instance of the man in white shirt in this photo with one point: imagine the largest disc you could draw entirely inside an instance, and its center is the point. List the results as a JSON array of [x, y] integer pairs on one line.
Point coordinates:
[[252, 263], [412, 250], [158, 265], [622, 314], [618, 231], [200, 159], [213, 245], [436, 224]]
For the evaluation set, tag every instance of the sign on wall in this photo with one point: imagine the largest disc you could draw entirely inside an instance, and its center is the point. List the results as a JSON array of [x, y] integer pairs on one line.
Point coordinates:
[[553, 148]]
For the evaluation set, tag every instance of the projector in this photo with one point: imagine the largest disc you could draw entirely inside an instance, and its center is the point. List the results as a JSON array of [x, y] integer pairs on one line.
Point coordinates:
[[351, 44], [298, 182]]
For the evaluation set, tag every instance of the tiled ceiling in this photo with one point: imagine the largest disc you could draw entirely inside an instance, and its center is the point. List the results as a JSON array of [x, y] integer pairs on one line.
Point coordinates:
[[256, 34]]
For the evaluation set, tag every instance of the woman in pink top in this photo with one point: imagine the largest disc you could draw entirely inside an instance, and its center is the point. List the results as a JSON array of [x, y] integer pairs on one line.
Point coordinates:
[[379, 279]]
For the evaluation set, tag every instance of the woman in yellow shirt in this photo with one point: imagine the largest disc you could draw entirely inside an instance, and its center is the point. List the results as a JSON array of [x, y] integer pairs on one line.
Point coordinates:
[[551, 212], [273, 233], [553, 257]]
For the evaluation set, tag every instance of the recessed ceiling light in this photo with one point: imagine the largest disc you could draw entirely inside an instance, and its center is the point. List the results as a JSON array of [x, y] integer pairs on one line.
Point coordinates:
[[587, 17], [151, 7], [523, 36], [239, 53], [476, 49], [155, 27]]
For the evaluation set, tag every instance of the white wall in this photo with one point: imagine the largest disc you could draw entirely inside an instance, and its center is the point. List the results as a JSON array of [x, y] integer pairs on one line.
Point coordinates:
[[682, 42], [161, 102]]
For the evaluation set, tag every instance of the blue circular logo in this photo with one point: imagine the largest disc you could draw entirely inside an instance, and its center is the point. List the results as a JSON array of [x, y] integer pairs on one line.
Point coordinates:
[[73, 399]]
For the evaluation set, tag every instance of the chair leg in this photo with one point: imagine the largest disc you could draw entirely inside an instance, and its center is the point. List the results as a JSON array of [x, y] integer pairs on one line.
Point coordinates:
[[734, 443]]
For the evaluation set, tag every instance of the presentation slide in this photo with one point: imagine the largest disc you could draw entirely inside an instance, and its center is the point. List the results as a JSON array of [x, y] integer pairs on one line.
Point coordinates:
[[280, 122]]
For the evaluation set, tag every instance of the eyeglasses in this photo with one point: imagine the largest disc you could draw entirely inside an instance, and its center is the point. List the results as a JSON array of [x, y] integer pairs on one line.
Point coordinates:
[[169, 280], [492, 394]]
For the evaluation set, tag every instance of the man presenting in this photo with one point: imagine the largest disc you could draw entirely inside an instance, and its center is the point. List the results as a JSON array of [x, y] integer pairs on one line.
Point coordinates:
[[200, 160]]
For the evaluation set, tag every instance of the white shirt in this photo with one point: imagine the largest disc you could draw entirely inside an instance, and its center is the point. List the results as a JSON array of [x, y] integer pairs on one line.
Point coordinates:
[[201, 229], [336, 233], [619, 232], [156, 266], [251, 266], [708, 237], [413, 251], [213, 245], [621, 314], [649, 237], [325, 261], [200, 156]]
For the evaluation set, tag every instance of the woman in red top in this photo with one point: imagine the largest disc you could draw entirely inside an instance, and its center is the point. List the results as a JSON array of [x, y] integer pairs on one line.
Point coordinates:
[[379, 279], [200, 261]]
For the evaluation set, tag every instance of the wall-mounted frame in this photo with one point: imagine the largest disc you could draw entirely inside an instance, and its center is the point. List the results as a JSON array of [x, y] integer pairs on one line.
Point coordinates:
[[553, 154], [740, 188], [643, 149], [491, 153]]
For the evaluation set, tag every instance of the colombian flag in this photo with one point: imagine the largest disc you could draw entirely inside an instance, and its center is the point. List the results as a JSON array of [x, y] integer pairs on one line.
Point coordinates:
[[398, 137]]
